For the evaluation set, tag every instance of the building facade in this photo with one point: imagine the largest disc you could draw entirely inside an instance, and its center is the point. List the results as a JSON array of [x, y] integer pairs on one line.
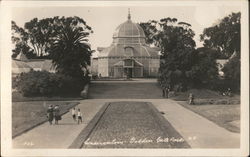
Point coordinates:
[[128, 55], [22, 65]]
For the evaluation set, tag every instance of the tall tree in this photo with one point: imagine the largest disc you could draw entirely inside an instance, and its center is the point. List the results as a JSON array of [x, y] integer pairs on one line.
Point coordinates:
[[71, 52], [175, 39], [20, 40], [39, 35], [224, 36], [149, 30], [204, 71]]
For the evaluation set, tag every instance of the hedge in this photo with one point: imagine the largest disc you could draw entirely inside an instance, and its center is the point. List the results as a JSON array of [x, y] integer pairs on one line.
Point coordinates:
[[43, 83]]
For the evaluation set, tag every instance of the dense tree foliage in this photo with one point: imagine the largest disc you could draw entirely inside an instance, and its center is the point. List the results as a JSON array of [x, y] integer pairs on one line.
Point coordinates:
[[175, 39], [224, 36], [64, 40], [37, 35], [232, 73], [71, 52], [20, 40], [204, 70], [182, 64], [149, 30]]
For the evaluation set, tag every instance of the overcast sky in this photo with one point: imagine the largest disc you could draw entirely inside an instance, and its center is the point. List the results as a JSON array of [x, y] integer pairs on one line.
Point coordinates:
[[104, 20]]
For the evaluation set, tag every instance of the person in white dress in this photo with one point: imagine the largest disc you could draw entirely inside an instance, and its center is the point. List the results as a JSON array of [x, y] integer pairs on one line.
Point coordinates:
[[73, 112]]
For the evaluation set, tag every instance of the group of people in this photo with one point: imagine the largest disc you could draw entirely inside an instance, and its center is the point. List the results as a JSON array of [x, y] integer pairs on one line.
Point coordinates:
[[76, 115], [53, 113], [165, 90], [228, 92]]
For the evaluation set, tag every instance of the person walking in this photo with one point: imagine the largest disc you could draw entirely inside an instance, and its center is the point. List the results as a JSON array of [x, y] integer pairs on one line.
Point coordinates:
[[57, 114], [50, 115], [73, 112], [79, 116]]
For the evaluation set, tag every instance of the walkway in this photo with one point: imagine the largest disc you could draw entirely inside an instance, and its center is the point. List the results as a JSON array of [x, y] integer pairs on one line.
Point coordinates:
[[58, 136], [196, 130]]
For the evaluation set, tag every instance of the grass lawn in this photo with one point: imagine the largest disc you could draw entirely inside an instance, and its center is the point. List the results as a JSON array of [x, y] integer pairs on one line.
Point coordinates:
[[26, 115], [202, 94], [222, 110], [226, 116], [17, 97]]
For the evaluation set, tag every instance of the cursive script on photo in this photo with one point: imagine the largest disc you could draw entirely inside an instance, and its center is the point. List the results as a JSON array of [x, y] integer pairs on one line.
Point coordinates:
[[134, 140]]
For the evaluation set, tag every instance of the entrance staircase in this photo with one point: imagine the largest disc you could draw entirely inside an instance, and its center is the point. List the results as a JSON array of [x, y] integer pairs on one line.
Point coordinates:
[[134, 89]]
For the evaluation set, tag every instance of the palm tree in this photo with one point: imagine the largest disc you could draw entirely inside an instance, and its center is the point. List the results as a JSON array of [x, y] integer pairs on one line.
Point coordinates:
[[71, 52]]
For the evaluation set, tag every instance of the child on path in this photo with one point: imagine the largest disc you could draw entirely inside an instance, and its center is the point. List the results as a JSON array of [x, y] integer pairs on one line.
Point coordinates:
[[191, 99], [73, 112], [79, 115]]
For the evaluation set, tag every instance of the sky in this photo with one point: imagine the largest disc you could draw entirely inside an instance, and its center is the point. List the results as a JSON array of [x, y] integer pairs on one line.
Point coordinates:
[[105, 19]]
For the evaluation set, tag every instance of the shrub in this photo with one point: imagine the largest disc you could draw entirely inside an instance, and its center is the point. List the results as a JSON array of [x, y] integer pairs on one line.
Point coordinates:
[[232, 73], [43, 83]]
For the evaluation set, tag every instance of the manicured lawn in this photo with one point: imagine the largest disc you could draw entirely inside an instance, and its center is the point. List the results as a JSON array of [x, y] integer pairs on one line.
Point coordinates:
[[17, 97], [226, 116], [26, 115], [201, 94]]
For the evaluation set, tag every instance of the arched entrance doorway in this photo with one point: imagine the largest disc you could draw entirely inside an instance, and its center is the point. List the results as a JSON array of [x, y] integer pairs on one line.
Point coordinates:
[[128, 68]]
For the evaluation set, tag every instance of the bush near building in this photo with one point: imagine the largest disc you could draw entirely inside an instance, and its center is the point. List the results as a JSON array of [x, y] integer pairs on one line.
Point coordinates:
[[43, 83]]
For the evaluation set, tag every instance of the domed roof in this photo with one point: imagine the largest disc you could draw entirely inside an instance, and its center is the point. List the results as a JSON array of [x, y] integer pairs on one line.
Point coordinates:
[[128, 41], [125, 51], [129, 29]]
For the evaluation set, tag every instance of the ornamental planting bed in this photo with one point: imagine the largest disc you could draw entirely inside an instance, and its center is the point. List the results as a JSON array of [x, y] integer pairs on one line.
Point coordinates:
[[129, 125]]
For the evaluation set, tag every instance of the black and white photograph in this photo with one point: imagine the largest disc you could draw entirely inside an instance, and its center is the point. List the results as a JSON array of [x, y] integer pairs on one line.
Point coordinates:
[[124, 78]]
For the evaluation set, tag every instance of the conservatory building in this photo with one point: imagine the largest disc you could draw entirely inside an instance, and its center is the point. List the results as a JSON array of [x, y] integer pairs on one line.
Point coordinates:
[[128, 55]]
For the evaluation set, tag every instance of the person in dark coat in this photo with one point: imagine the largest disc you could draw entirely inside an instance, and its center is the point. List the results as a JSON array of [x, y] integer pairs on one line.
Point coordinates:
[[50, 114], [163, 90], [57, 114], [167, 90]]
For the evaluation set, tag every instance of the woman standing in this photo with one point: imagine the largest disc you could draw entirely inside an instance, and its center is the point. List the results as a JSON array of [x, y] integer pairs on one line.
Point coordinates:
[[57, 114], [50, 115]]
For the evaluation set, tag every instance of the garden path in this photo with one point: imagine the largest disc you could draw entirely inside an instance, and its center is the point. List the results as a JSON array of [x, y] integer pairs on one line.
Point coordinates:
[[196, 130]]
